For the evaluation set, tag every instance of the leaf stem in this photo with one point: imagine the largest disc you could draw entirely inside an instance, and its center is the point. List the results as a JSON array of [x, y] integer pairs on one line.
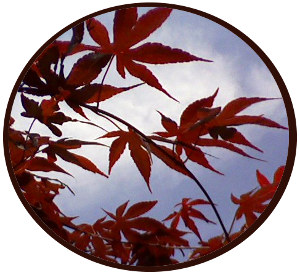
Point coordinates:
[[102, 82], [232, 223], [111, 121], [174, 142], [150, 141], [27, 136]]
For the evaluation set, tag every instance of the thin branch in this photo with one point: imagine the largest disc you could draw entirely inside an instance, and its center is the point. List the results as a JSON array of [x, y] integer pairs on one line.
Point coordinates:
[[102, 82], [150, 141], [90, 123], [127, 242], [111, 121], [174, 142], [57, 180], [232, 223], [27, 136]]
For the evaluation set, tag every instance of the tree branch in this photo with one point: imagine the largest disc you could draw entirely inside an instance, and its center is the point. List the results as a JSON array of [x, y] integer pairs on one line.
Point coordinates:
[[150, 141], [127, 242]]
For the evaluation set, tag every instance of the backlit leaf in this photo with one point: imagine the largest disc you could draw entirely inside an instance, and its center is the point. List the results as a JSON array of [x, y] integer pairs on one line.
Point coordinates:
[[87, 68]]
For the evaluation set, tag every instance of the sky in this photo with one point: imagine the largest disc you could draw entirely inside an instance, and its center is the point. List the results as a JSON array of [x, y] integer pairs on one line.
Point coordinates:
[[236, 70]]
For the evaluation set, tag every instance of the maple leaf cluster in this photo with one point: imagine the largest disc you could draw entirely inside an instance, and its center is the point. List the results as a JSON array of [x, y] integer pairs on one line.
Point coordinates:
[[250, 205], [256, 201], [127, 236]]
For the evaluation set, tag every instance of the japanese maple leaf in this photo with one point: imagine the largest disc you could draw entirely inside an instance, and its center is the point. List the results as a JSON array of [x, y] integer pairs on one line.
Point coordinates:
[[267, 188], [128, 30], [186, 213], [151, 249], [138, 151], [129, 221], [193, 153], [61, 148], [229, 117], [75, 88], [256, 201], [139, 231], [39, 164], [208, 247], [23, 145], [201, 118], [46, 112]]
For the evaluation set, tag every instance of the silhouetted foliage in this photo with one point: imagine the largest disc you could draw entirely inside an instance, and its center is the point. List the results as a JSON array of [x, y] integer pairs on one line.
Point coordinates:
[[128, 236]]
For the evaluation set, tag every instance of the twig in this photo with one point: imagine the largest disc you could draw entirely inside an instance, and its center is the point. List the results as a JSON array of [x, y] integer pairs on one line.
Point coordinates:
[[232, 223], [111, 121], [174, 142], [150, 141], [131, 243], [27, 135], [102, 82], [62, 183]]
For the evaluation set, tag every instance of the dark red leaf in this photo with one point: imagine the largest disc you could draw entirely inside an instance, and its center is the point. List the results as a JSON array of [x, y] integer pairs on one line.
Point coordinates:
[[76, 108], [64, 46], [169, 124], [175, 221], [77, 36], [121, 66], [238, 138], [139, 209], [222, 144], [197, 156], [145, 224], [189, 223], [74, 143], [148, 23], [33, 80], [42, 164], [190, 114], [99, 33], [113, 134], [116, 150], [258, 120], [31, 107], [278, 175], [262, 179], [140, 157], [75, 159], [156, 53], [169, 158], [171, 216], [238, 105], [197, 214], [140, 71], [198, 202], [90, 93], [87, 69], [120, 210], [124, 21]]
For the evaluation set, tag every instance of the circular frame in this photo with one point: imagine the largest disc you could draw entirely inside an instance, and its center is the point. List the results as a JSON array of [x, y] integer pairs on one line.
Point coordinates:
[[281, 188]]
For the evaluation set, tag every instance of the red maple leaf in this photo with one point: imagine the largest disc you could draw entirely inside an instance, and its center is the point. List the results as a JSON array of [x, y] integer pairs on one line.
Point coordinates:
[[61, 148], [128, 30], [126, 222], [256, 201], [138, 151], [187, 213], [201, 118], [75, 88]]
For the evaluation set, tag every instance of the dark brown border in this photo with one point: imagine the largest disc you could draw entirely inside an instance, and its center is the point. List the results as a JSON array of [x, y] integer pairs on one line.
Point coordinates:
[[264, 215]]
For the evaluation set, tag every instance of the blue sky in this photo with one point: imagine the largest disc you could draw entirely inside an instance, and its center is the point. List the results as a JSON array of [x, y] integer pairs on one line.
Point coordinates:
[[236, 70]]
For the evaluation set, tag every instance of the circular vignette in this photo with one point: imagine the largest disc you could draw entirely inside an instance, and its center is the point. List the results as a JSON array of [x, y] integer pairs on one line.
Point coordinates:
[[261, 218]]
